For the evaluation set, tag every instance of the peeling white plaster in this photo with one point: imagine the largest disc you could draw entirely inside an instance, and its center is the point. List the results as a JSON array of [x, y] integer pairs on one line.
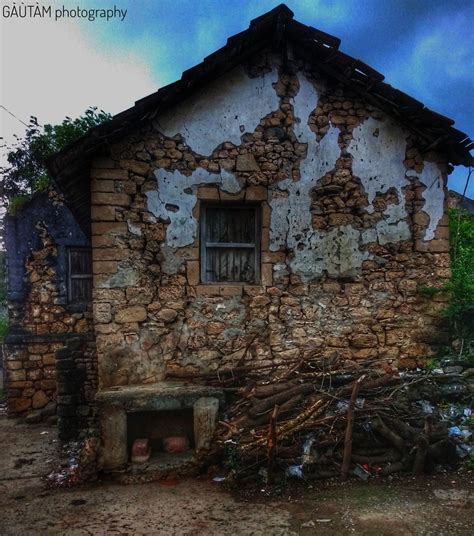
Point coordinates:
[[432, 178], [337, 251], [378, 150], [236, 104], [222, 111], [171, 202], [291, 222]]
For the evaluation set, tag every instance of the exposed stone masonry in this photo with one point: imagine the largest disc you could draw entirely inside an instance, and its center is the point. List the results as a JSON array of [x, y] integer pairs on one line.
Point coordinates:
[[39, 327], [151, 313]]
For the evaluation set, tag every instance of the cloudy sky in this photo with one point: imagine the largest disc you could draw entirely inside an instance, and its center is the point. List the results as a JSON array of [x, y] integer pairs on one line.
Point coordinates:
[[52, 69]]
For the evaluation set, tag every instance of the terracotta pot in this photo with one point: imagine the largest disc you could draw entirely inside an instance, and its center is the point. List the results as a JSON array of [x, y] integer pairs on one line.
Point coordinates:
[[175, 444]]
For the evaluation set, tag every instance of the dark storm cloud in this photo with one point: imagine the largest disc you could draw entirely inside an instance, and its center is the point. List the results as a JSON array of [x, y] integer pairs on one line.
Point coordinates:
[[423, 47]]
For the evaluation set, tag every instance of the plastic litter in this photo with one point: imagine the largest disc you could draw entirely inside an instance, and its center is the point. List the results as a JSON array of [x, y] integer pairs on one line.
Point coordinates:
[[450, 413], [343, 405], [362, 473], [219, 478], [453, 389], [426, 406], [455, 431], [295, 470], [308, 456]]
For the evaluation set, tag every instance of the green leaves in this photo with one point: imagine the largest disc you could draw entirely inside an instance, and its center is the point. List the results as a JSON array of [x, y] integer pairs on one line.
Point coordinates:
[[461, 307], [26, 172]]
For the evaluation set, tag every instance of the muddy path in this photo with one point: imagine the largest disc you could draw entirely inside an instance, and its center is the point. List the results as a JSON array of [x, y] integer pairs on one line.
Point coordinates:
[[437, 505]]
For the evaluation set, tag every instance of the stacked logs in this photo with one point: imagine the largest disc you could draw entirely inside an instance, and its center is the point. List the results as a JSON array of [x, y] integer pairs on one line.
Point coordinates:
[[326, 417]]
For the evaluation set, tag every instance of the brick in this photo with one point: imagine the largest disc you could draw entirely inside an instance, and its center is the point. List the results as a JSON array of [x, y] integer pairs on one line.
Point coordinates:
[[207, 290], [104, 185], [107, 228], [20, 385], [113, 174], [189, 253], [102, 163], [13, 365], [18, 405], [442, 233], [267, 275], [265, 239], [48, 384], [192, 272], [103, 241], [103, 213], [256, 193], [432, 246], [273, 257], [49, 359], [120, 200], [34, 375], [225, 196], [266, 215], [110, 254], [16, 375], [136, 313], [364, 340], [231, 290], [208, 193], [135, 166], [104, 267]]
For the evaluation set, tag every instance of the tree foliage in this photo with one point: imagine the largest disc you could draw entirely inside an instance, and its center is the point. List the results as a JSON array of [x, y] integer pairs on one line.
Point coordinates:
[[461, 308], [26, 172]]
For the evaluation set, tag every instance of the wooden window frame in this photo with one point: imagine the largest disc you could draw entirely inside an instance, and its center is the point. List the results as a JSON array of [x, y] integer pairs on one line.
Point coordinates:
[[256, 245], [71, 276]]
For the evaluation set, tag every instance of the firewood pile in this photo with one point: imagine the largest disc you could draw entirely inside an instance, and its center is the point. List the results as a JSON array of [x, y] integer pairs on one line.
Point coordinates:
[[317, 418]]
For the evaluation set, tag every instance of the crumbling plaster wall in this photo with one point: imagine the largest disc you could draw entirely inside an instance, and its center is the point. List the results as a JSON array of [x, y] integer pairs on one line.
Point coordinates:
[[353, 223]]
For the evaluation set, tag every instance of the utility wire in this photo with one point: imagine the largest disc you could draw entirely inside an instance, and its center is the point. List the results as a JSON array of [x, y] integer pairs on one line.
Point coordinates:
[[13, 115]]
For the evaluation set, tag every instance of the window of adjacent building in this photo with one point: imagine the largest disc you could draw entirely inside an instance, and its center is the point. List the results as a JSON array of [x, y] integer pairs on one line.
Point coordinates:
[[79, 275], [230, 244]]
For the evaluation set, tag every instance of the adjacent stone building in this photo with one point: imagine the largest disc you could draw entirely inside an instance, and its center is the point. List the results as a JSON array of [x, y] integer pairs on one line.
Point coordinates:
[[280, 199]]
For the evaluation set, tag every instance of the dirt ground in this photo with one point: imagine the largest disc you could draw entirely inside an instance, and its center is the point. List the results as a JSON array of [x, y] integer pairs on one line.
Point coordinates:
[[437, 505]]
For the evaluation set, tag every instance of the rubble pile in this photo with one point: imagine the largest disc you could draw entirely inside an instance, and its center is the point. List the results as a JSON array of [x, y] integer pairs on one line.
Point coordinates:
[[322, 417]]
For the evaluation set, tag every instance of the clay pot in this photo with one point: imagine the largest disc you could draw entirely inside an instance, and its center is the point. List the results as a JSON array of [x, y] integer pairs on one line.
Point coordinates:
[[175, 444]]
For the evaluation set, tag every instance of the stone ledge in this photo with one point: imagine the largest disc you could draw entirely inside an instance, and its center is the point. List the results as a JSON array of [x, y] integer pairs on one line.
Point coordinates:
[[156, 396]]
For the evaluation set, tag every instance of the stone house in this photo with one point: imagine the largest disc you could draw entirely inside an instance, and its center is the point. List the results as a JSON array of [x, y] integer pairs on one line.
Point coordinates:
[[278, 199]]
